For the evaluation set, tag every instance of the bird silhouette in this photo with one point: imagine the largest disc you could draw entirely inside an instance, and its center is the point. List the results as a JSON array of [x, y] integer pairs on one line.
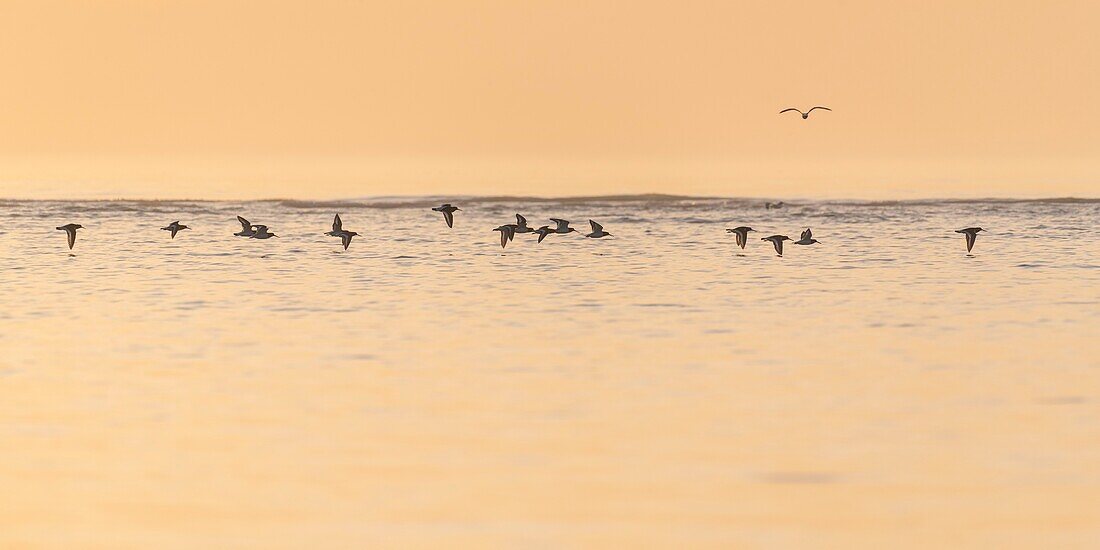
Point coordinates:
[[807, 113]]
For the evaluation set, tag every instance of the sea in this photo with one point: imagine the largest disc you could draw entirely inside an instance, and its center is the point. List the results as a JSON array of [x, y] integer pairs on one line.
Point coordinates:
[[661, 387]]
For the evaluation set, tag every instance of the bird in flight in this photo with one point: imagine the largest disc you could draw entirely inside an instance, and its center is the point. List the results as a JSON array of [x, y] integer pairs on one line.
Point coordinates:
[[597, 231], [339, 231], [970, 232], [563, 226], [543, 232], [742, 234], [448, 213], [246, 228], [70, 231], [777, 242], [807, 113], [807, 238], [507, 233], [174, 227], [521, 225]]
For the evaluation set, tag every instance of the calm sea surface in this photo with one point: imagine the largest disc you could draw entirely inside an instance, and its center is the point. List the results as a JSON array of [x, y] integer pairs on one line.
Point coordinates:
[[659, 387]]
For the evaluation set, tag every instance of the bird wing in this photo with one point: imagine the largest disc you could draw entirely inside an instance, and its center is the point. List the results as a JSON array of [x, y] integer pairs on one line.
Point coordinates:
[[174, 230], [562, 224], [521, 221], [450, 217], [245, 224], [819, 107], [543, 232], [970, 238], [596, 228], [337, 224], [740, 238], [790, 109], [345, 239], [71, 234], [778, 246], [807, 234]]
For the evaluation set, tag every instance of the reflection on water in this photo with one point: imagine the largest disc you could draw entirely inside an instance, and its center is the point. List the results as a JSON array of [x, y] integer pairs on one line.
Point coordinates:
[[426, 387]]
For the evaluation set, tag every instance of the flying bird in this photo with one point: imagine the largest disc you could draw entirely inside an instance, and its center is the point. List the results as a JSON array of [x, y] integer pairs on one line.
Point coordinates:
[[448, 213], [742, 234], [563, 226], [246, 228], [597, 231], [806, 114], [807, 238], [260, 232], [777, 242], [543, 232], [507, 233], [339, 231], [174, 227], [970, 232], [521, 225], [770, 205], [70, 232]]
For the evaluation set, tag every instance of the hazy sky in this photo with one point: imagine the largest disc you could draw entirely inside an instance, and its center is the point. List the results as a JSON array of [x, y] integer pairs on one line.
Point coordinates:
[[343, 99]]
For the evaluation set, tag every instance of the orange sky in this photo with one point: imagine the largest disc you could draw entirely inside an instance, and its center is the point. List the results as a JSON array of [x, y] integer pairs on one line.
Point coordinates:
[[345, 99]]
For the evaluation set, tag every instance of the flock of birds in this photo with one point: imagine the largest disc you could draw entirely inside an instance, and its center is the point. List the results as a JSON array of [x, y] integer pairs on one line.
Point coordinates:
[[507, 231]]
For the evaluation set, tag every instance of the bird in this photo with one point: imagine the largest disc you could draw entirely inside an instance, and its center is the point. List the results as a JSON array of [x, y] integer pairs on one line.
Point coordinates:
[[246, 228], [742, 234], [543, 232], [70, 231], [970, 232], [339, 231], [807, 238], [521, 225], [260, 232], [563, 226], [448, 213], [770, 205], [507, 233], [777, 242], [174, 227], [597, 231], [806, 114]]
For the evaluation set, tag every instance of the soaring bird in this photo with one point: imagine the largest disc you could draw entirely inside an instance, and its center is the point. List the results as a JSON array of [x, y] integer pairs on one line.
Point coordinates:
[[521, 225], [742, 234], [807, 238], [246, 228], [507, 233], [563, 226], [70, 231], [807, 113], [597, 231], [543, 232], [970, 232], [448, 213], [260, 232], [777, 242], [174, 227]]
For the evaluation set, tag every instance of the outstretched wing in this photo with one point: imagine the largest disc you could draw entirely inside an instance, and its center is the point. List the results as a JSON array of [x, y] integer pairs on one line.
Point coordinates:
[[345, 239], [337, 224], [790, 109], [740, 238], [970, 238], [596, 228], [521, 221], [245, 224], [819, 107], [807, 234], [71, 234], [562, 224], [174, 229], [450, 217]]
